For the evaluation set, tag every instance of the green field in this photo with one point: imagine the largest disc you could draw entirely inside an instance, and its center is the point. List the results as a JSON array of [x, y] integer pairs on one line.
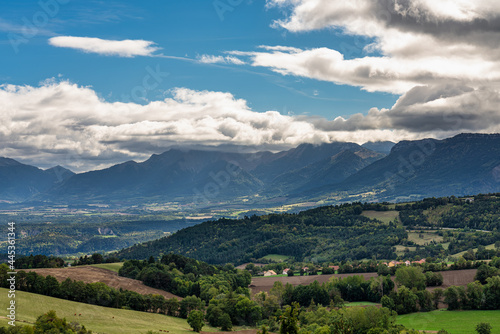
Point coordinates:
[[96, 318], [110, 266], [455, 322], [492, 246], [424, 237], [276, 257], [400, 250], [384, 216]]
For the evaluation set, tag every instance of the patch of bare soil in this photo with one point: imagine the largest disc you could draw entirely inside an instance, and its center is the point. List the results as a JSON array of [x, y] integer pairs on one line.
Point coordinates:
[[452, 277], [89, 274]]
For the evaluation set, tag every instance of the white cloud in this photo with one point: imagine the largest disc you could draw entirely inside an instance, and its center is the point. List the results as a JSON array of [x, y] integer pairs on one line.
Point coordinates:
[[407, 28], [124, 48], [420, 42], [289, 49], [441, 56], [63, 123], [377, 74], [210, 59]]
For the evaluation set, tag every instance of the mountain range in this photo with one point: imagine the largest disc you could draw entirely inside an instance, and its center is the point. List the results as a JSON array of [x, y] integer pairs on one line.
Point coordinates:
[[464, 164], [19, 182]]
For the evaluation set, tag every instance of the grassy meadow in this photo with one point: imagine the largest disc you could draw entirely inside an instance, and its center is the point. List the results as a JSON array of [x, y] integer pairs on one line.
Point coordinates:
[[109, 266], [384, 216], [455, 322], [96, 318]]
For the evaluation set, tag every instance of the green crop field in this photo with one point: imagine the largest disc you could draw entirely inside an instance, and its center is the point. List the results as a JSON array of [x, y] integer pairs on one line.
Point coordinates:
[[276, 257], [424, 238], [455, 322], [492, 246], [400, 250], [384, 216], [96, 318], [110, 266]]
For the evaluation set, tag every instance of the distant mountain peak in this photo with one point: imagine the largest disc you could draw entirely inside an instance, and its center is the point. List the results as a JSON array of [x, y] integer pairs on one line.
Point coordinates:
[[379, 146], [59, 168], [404, 144], [8, 162]]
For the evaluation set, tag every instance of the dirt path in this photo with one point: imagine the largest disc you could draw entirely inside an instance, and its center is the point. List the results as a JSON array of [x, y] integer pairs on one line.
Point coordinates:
[[89, 274]]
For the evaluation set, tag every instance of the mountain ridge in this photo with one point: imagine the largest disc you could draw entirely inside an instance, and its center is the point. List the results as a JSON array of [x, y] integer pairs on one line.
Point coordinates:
[[464, 164]]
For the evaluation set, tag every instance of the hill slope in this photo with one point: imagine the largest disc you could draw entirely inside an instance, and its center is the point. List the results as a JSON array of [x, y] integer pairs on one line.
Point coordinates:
[[463, 165], [96, 318], [323, 234], [336, 233]]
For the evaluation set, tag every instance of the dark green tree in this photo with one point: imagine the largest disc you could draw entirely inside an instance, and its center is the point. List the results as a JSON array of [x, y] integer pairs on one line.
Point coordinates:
[[51, 323], [483, 328], [411, 277], [289, 320], [437, 295], [195, 320], [225, 322], [452, 298]]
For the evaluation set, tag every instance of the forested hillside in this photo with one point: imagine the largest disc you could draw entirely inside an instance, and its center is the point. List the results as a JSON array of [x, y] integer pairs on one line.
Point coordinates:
[[332, 232], [433, 227]]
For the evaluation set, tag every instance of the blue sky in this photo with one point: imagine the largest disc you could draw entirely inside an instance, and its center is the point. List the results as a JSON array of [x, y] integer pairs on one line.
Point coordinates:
[[184, 29], [87, 84]]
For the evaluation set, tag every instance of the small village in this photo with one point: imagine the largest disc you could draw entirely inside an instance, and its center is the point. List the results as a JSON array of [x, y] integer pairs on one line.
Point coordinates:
[[333, 269]]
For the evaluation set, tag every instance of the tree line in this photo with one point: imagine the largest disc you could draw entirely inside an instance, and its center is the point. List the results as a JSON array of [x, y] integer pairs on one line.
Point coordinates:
[[183, 276], [93, 293]]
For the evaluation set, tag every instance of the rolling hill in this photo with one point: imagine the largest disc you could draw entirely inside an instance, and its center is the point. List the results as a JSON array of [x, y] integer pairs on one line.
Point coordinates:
[[344, 232], [96, 318]]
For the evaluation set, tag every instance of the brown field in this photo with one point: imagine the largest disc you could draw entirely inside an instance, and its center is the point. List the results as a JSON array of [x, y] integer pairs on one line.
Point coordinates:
[[457, 277], [259, 284], [89, 274]]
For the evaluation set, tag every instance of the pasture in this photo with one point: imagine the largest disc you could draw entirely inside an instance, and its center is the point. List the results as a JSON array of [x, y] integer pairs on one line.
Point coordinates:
[[455, 322], [96, 318]]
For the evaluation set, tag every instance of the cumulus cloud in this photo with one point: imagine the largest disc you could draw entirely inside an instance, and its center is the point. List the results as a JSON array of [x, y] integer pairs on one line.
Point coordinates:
[[125, 48], [376, 74], [436, 111], [418, 42], [210, 59], [63, 123]]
